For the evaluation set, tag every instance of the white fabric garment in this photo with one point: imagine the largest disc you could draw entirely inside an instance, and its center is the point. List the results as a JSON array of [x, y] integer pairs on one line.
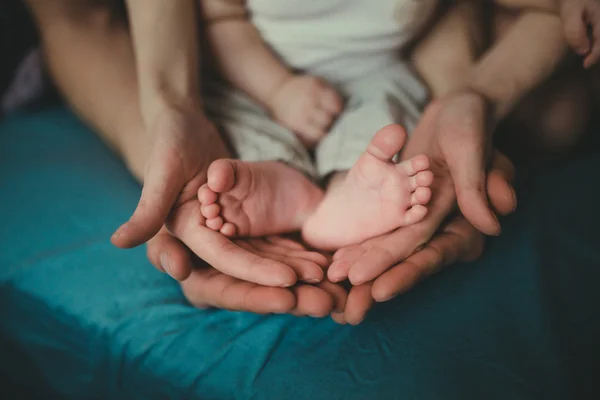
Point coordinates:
[[339, 40]]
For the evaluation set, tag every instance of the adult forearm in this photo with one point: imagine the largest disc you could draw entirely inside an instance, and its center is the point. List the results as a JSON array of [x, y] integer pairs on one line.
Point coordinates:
[[91, 61], [165, 38], [521, 60]]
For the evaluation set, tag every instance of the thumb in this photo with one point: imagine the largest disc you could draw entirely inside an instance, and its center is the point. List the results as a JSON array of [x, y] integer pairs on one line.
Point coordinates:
[[162, 185], [466, 163]]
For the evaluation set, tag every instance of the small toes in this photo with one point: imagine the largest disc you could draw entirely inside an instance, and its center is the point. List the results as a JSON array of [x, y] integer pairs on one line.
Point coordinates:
[[421, 179], [206, 196], [228, 229], [210, 211], [421, 195], [414, 165], [214, 223], [415, 214]]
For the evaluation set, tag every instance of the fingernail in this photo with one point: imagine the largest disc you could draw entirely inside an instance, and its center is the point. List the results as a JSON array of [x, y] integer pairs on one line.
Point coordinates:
[[312, 280], [514, 193], [165, 263], [357, 323], [388, 298]]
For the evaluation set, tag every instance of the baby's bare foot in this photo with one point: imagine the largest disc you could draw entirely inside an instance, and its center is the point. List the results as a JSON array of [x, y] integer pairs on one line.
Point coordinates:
[[375, 197], [307, 106], [256, 198]]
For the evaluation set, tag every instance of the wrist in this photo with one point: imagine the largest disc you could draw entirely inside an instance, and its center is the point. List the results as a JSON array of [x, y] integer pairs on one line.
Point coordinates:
[[273, 96], [157, 102]]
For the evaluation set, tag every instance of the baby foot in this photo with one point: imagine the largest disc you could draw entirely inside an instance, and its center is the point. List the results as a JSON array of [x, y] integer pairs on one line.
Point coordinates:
[[375, 197], [256, 198], [307, 106]]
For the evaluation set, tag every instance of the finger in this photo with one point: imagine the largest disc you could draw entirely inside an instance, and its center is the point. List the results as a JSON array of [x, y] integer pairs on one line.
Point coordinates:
[[312, 134], [284, 242], [162, 184], [389, 249], [331, 102], [443, 249], [575, 28], [593, 19], [466, 160], [345, 251], [339, 269], [338, 318], [358, 304], [311, 256], [306, 271], [468, 174], [503, 164], [503, 197], [338, 294], [321, 120], [222, 254], [206, 287], [312, 301], [396, 246], [169, 255]]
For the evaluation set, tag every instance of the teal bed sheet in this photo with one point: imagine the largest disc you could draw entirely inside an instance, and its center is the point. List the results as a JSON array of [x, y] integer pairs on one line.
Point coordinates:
[[80, 319]]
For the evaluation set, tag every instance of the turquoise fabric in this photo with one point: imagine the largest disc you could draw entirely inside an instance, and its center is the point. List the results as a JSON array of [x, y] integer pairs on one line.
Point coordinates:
[[82, 319]]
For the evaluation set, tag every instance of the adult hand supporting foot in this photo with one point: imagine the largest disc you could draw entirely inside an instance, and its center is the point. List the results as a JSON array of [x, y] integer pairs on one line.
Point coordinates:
[[452, 132], [184, 143], [208, 287], [456, 241]]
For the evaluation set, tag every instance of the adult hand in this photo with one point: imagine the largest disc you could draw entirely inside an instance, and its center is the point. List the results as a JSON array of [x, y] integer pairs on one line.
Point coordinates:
[[184, 143], [208, 287], [456, 241], [452, 132]]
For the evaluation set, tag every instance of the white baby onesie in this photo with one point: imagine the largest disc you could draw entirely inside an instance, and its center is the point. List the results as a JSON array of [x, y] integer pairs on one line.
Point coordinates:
[[356, 46], [339, 40]]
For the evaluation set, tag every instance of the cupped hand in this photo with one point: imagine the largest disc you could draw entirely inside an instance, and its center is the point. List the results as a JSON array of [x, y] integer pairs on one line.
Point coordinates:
[[456, 241], [453, 133], [183, 144], [208, 287]]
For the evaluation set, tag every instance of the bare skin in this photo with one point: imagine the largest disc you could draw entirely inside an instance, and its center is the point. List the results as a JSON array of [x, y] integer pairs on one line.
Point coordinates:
[[374, 197], [304, 104], [246, 199]]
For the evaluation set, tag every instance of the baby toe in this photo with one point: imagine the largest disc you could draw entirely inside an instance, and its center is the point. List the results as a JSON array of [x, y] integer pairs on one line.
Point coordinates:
[[421, 179], [206, 196], [421, 195], [321, 119], [210, 211], [414, 165], [228, 229], [331, 102], [214, 223], [414, 214]]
